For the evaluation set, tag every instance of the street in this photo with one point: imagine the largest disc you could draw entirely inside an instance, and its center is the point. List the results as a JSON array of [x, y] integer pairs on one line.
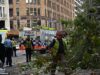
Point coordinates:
[[21, 59]]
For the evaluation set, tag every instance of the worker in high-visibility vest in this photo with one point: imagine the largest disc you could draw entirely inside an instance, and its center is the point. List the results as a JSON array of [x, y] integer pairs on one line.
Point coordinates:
[[57, 49], [29, 48]]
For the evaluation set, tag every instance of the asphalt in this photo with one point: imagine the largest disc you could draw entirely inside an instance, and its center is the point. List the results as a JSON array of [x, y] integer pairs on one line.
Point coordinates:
[[20, 58]]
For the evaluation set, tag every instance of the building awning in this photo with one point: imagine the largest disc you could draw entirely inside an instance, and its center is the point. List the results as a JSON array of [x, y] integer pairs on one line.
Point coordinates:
[[13, 32]]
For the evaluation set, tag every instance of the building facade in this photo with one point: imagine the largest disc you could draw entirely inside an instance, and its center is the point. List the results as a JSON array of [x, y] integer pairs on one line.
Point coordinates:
[[78, 6], [30, 13], [4, 15]]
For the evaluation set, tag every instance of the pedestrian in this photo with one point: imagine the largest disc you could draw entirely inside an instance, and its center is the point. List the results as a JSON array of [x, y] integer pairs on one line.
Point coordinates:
[[14, 47], [2, 52], [9, 51], [28, 48], [57, 49]]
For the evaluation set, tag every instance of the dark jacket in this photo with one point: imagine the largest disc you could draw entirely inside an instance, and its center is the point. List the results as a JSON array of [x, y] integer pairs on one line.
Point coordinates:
[[2, 50]]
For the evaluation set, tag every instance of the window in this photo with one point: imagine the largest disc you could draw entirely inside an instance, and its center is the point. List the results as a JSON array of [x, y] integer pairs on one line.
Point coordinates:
[[27, 11], [48, 13], [11, 24], [26, 1], [2, 24], [11, 12], [0, 11], [49, 3], [34, 22], [17, 11], [17, 1], [38, 2], [45, 2], [39, 11], [39, 22], [18, 23], [30, 1], [58, 8], [53, 5], [31, 10], [1, 1], [35, 12], [45, 12], [28, 23], [34, 1], [3, 11], [10, 1]]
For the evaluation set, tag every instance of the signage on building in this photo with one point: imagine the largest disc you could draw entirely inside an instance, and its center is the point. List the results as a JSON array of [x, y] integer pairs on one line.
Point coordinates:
[[47, 34], [28, 33]]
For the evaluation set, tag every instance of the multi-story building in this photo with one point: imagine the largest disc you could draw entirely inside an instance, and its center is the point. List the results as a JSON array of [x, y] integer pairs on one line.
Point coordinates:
[[29, 13], [78, 6], [4, 14]]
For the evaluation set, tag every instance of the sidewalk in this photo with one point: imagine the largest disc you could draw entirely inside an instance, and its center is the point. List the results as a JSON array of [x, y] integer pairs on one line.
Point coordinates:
[[14, 70], [20, 59]]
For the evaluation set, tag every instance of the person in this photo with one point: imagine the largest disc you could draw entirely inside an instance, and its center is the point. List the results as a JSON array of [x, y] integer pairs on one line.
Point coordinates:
[[14, 47], [57, 49], [2, 52], [28, 46], [9, 51]]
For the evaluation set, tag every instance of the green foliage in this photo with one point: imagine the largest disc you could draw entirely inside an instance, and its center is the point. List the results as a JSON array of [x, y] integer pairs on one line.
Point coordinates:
[[92, 10], [84, 41], [37, 66]]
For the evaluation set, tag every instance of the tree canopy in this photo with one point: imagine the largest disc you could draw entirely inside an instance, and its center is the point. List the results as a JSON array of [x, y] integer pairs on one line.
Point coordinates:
[[84, 40]]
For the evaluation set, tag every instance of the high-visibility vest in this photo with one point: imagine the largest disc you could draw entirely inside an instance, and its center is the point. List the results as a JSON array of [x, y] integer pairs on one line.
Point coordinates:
[[28, 44], [54, 50]]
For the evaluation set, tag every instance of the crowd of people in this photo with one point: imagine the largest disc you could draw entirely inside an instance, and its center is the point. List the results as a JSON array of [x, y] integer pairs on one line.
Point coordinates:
[[56, 47], [8, 48]]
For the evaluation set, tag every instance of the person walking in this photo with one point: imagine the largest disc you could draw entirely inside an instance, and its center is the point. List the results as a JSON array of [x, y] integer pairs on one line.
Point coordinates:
[[14, 47], [9, 51], [2, 52], [57, 49], [28, 46]]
